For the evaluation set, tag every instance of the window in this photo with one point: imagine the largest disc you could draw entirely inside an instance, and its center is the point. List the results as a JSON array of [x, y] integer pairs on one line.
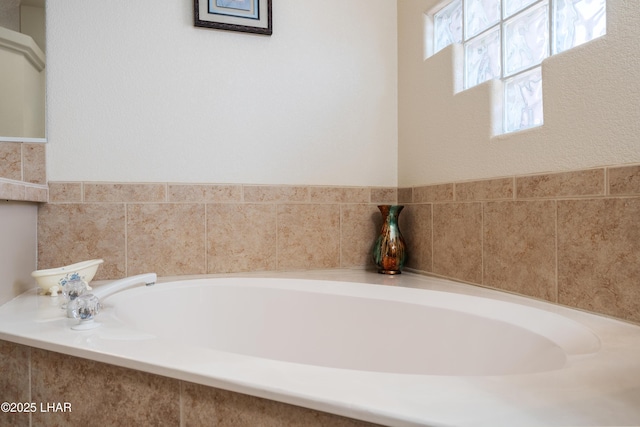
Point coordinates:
[[508, 39]]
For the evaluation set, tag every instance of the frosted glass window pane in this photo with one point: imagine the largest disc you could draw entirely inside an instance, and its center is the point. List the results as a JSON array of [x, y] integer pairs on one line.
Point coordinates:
[[480, 15], [527, 39], [448, 26], [523, 101], [513, 6], [482, 58], [578, 21]]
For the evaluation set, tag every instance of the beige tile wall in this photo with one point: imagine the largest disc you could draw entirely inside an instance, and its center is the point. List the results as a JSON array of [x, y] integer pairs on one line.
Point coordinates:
[[571, 238], [107, 395], [180, 229], [22, 172]]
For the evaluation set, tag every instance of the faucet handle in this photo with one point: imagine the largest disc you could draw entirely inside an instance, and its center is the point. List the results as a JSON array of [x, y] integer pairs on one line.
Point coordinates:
[[84, 308], [72, 289]]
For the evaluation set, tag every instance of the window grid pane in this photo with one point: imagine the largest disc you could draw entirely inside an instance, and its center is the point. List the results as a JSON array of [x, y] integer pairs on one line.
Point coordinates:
[[523, 101], [577, 22], [526, 39], [448, 26], [480, 15], [482, 58], [513, 6]]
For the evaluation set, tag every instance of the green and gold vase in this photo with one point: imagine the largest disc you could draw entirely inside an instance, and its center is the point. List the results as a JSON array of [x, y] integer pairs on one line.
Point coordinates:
[[389, 251]]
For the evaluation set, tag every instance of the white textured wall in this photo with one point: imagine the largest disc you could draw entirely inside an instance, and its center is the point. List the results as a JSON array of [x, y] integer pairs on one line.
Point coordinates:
[[136, 93], [591, 107]]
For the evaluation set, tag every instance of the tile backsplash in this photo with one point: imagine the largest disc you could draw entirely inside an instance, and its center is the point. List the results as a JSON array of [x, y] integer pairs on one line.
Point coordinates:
[[186, 229], [571, 238]]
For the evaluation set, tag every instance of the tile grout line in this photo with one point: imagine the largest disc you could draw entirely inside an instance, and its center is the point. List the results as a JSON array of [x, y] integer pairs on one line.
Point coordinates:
[[126, 240], [277, 209], [432, 237], [482, 209], [206, 238], [22, 163], [181, 422], [340, 234], [29, 364], [557, 255]]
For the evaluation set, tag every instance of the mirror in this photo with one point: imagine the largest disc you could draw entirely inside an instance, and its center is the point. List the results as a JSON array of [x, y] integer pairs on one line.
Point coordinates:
[[22, 70]]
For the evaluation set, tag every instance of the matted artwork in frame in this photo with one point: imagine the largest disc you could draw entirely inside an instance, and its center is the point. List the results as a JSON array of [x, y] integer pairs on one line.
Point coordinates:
[[249, 16]]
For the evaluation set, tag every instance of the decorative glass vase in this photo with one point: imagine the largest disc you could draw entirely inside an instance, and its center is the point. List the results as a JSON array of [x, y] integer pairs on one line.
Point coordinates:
[[389, 251]]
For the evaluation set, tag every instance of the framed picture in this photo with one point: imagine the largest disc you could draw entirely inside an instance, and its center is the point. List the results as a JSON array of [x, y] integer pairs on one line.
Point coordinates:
[[249, 16]]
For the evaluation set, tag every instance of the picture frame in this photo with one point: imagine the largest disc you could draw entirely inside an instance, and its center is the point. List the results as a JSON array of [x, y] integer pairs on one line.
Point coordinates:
[[248, 16]]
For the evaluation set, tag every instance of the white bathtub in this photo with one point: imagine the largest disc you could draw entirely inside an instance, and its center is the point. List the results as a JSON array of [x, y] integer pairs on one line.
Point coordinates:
[[354, 326], [444, 354]]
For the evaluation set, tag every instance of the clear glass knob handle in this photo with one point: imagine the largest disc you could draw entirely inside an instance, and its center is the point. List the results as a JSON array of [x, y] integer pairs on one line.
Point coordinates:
[[84, 308], [72, 290]]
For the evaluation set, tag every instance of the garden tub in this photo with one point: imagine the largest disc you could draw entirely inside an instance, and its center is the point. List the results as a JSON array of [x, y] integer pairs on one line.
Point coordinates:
[[404, 350]]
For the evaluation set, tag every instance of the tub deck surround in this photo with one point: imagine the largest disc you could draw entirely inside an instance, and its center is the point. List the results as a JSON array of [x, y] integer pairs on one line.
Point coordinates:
[[587, 371]]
